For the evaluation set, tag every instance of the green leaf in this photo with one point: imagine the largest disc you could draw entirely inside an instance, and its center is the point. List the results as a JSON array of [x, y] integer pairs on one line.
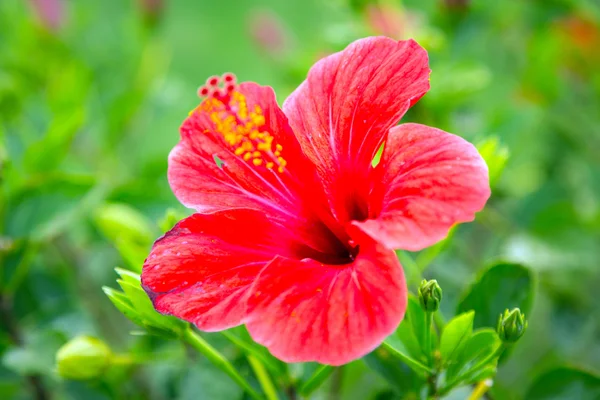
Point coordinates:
[[501, 286], [455, 335], [565, 383], [406, 340], [128, 276], [484, 373], [138, 298], [478, 348], [316, 380], [123, 304], [402, 378], [416, 317]]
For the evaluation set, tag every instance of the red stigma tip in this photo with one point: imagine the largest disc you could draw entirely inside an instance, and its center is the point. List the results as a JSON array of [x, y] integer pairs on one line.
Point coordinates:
[[203, 91], [230, 88], [213, 81], [218, 93], [229, 77]]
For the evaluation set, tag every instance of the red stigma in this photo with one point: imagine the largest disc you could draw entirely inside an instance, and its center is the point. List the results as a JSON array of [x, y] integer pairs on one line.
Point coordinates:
[[230, 88], [213, 81], [203, 91], [229, 77]]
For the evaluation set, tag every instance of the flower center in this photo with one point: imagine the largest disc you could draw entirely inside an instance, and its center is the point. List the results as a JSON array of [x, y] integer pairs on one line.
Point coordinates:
[[243, 128]]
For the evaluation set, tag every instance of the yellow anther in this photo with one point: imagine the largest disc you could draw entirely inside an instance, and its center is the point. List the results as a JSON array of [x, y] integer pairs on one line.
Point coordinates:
[[243, 129]]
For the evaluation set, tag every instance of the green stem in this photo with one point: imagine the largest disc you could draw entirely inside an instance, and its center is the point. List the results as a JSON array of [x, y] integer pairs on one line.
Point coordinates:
[[263, 378], [316, 380], [219, 361], [249, 350], [412, 363], [427, 338]]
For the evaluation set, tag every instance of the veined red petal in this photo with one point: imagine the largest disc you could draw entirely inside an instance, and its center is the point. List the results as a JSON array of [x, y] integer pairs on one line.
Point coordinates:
[[331, 314], [201, 271], [238, 151], [427, 181], [342, 112]]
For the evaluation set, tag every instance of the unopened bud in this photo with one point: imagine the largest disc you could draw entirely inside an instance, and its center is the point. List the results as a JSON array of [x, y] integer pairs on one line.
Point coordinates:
[[511, 325], [83, 358], [430, 295]]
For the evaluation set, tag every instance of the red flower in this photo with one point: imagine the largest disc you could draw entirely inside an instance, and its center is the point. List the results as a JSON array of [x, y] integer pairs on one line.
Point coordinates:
[[295, 229]]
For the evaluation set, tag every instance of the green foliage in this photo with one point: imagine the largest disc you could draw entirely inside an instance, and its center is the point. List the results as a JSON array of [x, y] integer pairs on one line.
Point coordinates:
[[134, 303], [455, 336], [478, 349], [565, 383], [500, 286]]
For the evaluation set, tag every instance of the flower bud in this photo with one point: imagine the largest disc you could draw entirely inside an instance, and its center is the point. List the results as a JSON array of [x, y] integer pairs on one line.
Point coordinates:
[[430, 295], [82, 358], [511, 325]]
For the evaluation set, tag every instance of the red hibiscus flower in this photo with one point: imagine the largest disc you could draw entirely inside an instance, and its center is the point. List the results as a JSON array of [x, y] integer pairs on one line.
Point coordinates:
[[295, 230]]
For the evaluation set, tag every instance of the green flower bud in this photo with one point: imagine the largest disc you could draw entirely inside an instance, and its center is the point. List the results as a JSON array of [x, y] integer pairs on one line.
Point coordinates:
[[82, 358], [430, 295], [511, 325]]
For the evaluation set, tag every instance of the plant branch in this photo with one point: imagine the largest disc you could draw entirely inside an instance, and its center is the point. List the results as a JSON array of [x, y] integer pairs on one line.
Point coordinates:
[[411, 362], [219, 361], [263, 378]]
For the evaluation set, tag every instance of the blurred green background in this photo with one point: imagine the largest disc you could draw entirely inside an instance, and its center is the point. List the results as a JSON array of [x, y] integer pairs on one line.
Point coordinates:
[[91, 97]]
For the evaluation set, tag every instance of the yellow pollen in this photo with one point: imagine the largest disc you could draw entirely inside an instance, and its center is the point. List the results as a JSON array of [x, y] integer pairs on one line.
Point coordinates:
[[243, 129]]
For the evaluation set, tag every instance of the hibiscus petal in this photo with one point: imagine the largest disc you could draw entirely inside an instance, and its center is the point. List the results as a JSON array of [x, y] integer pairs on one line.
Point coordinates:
[[331, 314], [215, 167], [201, 271], [427, 181], [343, 110]]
